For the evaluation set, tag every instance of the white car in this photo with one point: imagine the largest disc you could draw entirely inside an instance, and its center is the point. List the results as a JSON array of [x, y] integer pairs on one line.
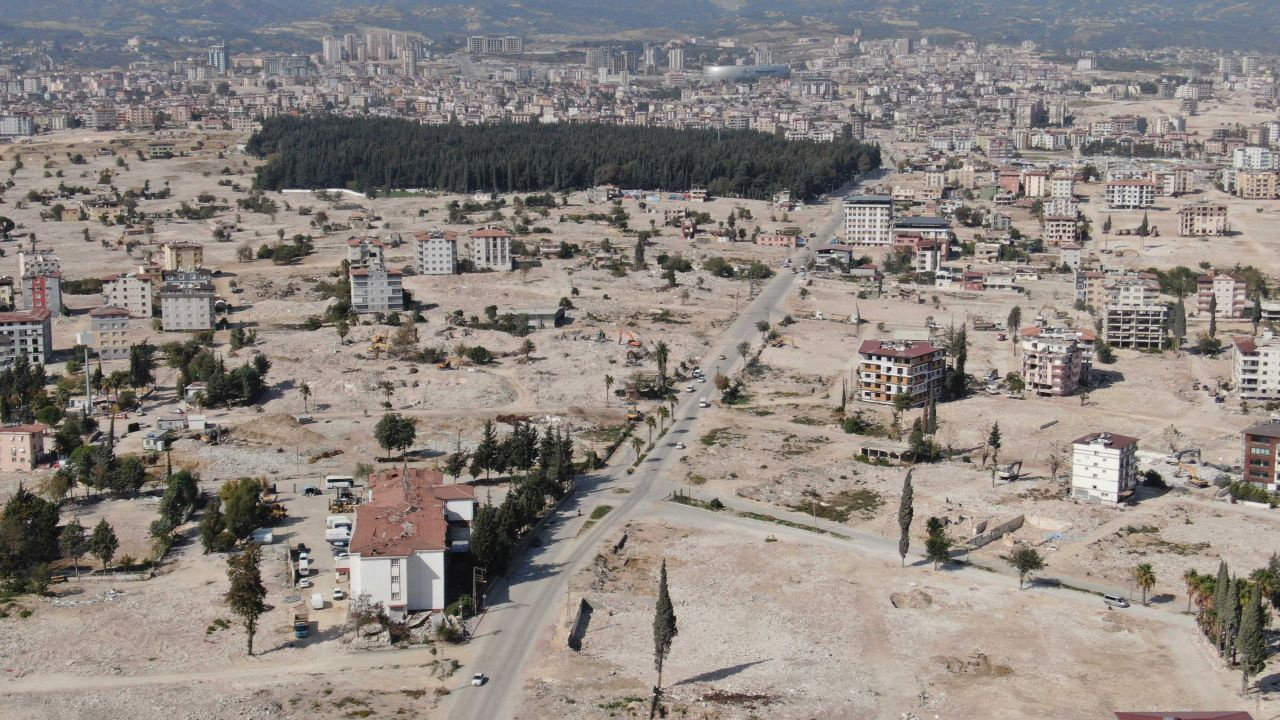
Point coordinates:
[[701, 379], [680, 446], [338, 594], [304, 583], [688, 388], [478, 679]]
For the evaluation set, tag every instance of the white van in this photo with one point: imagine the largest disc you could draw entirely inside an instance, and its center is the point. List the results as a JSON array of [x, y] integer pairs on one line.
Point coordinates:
[[1115, 601], [317, 601], [337, 481]]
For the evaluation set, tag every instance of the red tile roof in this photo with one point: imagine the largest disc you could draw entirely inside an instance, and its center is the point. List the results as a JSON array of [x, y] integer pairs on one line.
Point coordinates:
[[1245, 344], [33, 315], [890, 348], [395, 523]]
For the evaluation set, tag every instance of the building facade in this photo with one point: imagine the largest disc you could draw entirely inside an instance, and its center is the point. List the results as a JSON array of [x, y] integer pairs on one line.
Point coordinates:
[[1261, 447], [1255, 366], [42, 290], [21, 446], [888, 368], [1134, 316], [187, 305], [26, 332], [132, 292], [435, 253], [1104, 468], [1130, 194], [183, 256], [490, 249], [1230, 291], [110, 328], [1202, 218], [1053, 363], [868, 220], [376, 289]]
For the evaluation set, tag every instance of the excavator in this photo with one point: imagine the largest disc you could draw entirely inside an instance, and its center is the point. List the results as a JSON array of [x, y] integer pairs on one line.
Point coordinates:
[[1193, 478]]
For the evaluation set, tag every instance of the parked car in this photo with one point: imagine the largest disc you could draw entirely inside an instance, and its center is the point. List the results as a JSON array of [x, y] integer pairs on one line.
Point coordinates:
[[304, 583], [688, 388], [479, 679], [338, 594], [1115, 601], [311, 491], [317, 601], [680, 446]]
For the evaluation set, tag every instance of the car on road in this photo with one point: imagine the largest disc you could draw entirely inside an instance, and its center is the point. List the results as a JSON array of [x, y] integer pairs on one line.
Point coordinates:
[[479, 679], [338, 594], [311, 491], [701, 379], [679, 446], [1115, 601], [688, 388], [304, 583]]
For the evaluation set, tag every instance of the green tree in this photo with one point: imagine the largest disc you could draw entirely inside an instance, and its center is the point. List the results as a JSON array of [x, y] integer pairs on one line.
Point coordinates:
[[485, 457], [1106, 226], [1255, 312], [1025, 559], [993, 443], [394, 432], [661, 354], [1251, 640], [73, 542], [1014, 321], [28, 532], [214, 536], [242, 507], [142, 365], [608, 387], [103, 544], [1144, 576], [1178, 322], [664, 630], [1222, 587], [937, 546], [1213, 315], [906, 512], [246, 595]]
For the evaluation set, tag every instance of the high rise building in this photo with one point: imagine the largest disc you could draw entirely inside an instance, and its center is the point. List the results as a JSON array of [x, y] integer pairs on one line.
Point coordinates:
[[218, 59], [331, 49], [597, 57], [349, 45], [675, 59], [409, 59]]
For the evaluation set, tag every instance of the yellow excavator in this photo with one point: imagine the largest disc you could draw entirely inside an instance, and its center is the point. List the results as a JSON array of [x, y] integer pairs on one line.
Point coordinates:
[[1193, 478]]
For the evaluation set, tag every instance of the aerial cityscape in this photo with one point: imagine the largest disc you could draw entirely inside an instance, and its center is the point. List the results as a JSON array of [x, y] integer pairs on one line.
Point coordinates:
[[554, 360]]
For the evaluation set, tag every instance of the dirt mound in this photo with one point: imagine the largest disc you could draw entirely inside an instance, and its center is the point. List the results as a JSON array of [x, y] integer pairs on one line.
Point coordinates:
[[978, 665], [917, 599]]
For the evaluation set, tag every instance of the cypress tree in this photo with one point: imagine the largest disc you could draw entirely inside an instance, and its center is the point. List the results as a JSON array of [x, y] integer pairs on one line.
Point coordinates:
[[1251, 641], [906, 511], [664, 631]]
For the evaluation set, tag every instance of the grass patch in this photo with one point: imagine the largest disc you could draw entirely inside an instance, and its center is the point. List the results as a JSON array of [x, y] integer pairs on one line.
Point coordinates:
[[802, 420], [720, 436], [713, 504], [788, 523], [415, 694], [621, 703], [621, 491], [349, 700], [840, 507], [607, 435], [600, 511], [759, 412], [695, 479]]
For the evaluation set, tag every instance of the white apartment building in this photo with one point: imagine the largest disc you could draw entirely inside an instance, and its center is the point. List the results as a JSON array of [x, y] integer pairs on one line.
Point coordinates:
[[1131, 194], [1255, 366], [363, 251], [1253, 157], [1135, 318], [435, 253], [29, 332], [131, 292], [376, 289], [1228, 289], [1104, 468], [868, 220], [37, 263], [490, 249], [1062, 186], [109, 328], [187, 305]]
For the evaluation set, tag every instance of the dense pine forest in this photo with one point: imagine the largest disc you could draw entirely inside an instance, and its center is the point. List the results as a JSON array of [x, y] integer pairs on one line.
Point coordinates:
[[384, 154]]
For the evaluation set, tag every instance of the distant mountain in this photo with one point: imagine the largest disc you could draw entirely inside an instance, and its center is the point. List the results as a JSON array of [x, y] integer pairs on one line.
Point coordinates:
[[1085, 24]]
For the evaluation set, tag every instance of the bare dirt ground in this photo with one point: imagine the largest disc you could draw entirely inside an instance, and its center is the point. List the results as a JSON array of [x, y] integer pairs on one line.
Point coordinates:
[[823, 638]]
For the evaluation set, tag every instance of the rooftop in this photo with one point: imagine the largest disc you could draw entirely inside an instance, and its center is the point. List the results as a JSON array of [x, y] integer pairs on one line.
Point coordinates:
[[1107, 439], [405, 513], [896, 348], [1266, 428]]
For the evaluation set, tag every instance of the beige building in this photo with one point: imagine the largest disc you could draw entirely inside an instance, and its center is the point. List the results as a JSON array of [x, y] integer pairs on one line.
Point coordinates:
[[868, 220], [1256, 184], [183, 256], [1135, 317], [21, 446], [1230, 290], [888, 368], [131, 292], [1202, 218], [28, 332], [490, 249], [1059, 230]]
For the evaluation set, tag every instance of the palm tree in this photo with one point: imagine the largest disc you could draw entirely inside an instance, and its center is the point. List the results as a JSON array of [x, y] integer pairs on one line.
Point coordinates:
[[305, 389], [608, 385], [662, 414], [1190, 580], [650, 422], [1144, 576], [661, 353], [637, 443], [118, 379]]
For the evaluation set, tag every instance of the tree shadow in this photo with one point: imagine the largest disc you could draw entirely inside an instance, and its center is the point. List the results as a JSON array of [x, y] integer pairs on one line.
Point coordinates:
[[721, 674]]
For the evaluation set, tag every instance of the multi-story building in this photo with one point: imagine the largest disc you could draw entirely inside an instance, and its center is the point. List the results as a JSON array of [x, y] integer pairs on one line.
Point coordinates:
[[16, 125], [109, 327], [1135, 318], [407, 523], [21, 446], [490, 248], [1261, 447], [131, 292], [183, 255], [1061, 230], [1130, 194], [888, 368], [376, 289], [1104, 468], [1256, 184], [435, 253], [1229, 289], [1253, 157], [37, 263], [868, 220], [675, 59], [364, 250], [1202, 218], [187, 304], [1255, 366], [1054, 361], [42, 290], [27, 332]]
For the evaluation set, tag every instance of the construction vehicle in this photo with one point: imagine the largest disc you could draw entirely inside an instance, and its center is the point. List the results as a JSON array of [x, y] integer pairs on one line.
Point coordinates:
[[1193, 477], [379, 344], [633, 414], [301, 625], [1012, 471]]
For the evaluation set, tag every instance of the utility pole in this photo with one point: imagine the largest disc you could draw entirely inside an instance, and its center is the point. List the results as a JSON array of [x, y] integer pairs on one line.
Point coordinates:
[[88, 389], [477, 577]]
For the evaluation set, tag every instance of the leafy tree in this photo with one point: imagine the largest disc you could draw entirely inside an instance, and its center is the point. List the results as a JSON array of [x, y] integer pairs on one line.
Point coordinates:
[[246, 595], [242, 507], [485, 457], [142, 365], [214, 536], [73, 542], [664, 628], [395, 432], [937, 546], [661, 354], [28, 532], [1025, 559], [1014, 321], [479, 355], [905, 514], [1144, 576], [103, 544], [1213, 315], [993, 443]]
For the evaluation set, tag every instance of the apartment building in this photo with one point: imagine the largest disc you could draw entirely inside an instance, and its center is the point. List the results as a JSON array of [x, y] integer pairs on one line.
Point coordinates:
[[868, 220], [1254, 157], [1202, 218], [21, 446], [376, 289], [1255, 366], [1261, 447], [37, 263], [187, 303], [1229, 289], [183, 255], [1061, 230], [1053, 362], [363, 251], [42, 290], [435, 253], [1128, 194], [1135, 318], [887, 368], [131, 292], [490, 248], [402, 531], [1256, 184], [109, 328], [1062, 185], [1104, 468], [27, 332]]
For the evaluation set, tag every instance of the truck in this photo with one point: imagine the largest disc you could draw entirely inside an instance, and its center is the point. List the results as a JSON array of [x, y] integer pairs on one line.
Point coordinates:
[[301, 625]]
